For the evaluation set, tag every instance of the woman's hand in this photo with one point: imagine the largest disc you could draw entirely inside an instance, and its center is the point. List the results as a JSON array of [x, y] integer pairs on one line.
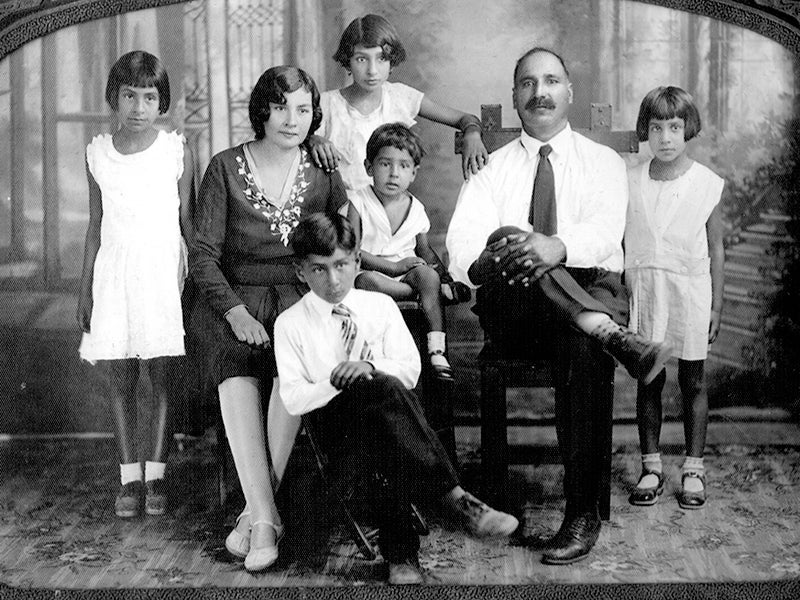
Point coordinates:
[[404, 265], [84, 312], [473, 153], [246, 328], [325, 154]]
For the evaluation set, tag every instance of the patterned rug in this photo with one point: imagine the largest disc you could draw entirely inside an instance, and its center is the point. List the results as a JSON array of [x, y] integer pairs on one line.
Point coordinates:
[[58, 530]]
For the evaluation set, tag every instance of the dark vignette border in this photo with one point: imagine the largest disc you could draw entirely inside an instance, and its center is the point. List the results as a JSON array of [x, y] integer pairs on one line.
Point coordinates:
[[22, 21]]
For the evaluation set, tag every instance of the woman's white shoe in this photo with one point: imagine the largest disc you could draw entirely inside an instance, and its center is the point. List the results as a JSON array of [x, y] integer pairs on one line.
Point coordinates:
[[258, 559], [238, 544]]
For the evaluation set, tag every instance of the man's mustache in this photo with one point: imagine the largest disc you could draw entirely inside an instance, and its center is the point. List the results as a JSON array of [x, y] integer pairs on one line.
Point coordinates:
[[535, 103]]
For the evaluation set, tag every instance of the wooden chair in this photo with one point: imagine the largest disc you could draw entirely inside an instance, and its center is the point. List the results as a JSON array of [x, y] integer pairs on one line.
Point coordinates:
[[500, 371]]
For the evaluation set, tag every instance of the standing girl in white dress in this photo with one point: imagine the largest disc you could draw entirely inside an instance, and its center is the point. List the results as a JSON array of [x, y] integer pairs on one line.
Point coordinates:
[[368, 49], [674, 270], [129, 306]]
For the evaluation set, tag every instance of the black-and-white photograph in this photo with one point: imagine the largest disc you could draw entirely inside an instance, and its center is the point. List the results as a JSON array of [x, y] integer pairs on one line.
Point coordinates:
[[303, 298]]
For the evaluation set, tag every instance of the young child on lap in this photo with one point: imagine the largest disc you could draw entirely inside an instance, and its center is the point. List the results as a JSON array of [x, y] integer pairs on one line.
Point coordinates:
[[346, 357], [396, 256]]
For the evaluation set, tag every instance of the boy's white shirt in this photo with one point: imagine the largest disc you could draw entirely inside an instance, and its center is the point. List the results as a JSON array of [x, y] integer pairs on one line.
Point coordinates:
[[308, 346]]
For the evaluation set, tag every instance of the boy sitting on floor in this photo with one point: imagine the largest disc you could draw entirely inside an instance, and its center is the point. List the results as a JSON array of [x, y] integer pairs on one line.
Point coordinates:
[[346, 357]]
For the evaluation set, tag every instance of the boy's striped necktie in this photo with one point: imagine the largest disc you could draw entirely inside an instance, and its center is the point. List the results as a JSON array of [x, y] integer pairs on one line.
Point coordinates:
[[350, 335]]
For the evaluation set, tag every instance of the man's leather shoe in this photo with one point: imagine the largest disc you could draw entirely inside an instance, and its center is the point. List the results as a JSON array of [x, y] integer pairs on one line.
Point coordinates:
[[577, 537]]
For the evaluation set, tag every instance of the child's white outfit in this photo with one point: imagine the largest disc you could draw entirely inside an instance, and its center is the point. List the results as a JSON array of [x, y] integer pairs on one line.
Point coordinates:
[[667, 265], [349, 129], [377, 237], [139, 269]]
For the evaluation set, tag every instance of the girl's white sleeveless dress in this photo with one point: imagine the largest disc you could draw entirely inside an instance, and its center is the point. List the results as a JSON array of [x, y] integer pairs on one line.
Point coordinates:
[[667, 264], [140, 266]]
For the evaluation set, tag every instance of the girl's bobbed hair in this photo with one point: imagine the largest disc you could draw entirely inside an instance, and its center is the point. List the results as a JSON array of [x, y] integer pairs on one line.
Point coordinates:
[[668, 102], [138, 69], [370, 31], [272, 86]]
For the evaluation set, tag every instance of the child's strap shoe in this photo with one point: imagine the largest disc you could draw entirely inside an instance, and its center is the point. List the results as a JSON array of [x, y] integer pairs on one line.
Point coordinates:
[[692, 500], [647, 496]]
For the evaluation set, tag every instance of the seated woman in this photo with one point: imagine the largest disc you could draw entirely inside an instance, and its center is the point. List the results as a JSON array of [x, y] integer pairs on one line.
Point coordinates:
[[252, 197]]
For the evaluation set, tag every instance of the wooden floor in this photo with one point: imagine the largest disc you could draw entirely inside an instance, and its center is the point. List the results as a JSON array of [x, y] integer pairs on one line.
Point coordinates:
[[58, 530]]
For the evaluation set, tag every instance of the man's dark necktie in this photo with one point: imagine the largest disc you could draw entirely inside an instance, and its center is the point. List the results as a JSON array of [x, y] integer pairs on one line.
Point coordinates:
[[543, 203]]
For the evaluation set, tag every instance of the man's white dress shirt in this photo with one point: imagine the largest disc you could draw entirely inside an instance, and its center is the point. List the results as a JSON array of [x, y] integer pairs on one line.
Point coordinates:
[[308, 346], [591, 201]]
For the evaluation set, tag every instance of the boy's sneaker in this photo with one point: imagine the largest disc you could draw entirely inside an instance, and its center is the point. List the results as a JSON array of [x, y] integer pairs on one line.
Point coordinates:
[[407, 572], [155, 499], [483, 521], [642, 359], [129, 500]]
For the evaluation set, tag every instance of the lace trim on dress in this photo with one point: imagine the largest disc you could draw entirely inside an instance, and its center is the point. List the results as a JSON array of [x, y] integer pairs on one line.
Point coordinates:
[[282, 220]]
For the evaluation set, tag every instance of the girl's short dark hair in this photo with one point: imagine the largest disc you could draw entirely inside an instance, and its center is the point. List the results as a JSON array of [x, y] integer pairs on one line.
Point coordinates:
[[322, 234], [395, 135], [668, 102], [272, 86], [370, 31], [138, 69]]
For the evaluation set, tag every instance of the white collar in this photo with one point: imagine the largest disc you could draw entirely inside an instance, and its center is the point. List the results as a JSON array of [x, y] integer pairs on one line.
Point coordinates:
[[324, 308], [559, 142]]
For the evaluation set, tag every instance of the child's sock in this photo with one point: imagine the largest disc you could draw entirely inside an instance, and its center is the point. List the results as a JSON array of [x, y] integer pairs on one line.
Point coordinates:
[[693, 464], [130, 472], [650, 463], [154, 470], [436, 342]]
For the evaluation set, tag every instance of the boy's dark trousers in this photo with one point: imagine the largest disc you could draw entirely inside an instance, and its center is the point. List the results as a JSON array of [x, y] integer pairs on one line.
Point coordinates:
[[377, 425], [537, 322]]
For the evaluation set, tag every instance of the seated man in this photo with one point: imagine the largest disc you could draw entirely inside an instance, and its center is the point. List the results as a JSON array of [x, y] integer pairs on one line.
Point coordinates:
[[346, 356], [539, 231]]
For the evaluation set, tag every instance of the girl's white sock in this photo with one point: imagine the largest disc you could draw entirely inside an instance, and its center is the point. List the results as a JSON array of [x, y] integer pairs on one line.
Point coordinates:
[[650, 462], [693, 464], [130, 472], [154, 470], [436, 342]]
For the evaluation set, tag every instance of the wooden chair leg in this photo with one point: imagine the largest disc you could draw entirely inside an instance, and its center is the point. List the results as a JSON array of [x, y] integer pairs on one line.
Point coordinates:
[[605, 419], [222, 463], [355, 531], [494, 444]]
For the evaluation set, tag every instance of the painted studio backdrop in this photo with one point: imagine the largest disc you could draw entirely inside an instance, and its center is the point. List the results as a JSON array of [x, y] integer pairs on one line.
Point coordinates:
[[461, 52]]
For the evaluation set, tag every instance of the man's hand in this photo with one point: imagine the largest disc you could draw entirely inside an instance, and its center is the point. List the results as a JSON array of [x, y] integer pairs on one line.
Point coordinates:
[[324, 152], [247, 328], [527, 254], [348, 372]]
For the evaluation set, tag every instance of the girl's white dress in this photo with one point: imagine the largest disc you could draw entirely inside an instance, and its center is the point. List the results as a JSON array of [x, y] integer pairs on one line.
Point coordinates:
[[140, 266], [667, 265], [377, 237], [349, 129]]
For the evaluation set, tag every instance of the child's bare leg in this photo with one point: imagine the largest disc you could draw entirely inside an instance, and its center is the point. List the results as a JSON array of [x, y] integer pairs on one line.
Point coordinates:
[[159, 413], [377, 282], [648, 417], [122, 378], [695, 423], [425, 281], [155, 502]]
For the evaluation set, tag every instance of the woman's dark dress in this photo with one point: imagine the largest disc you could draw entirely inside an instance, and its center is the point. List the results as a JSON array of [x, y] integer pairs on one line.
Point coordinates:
[[241, 255]]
